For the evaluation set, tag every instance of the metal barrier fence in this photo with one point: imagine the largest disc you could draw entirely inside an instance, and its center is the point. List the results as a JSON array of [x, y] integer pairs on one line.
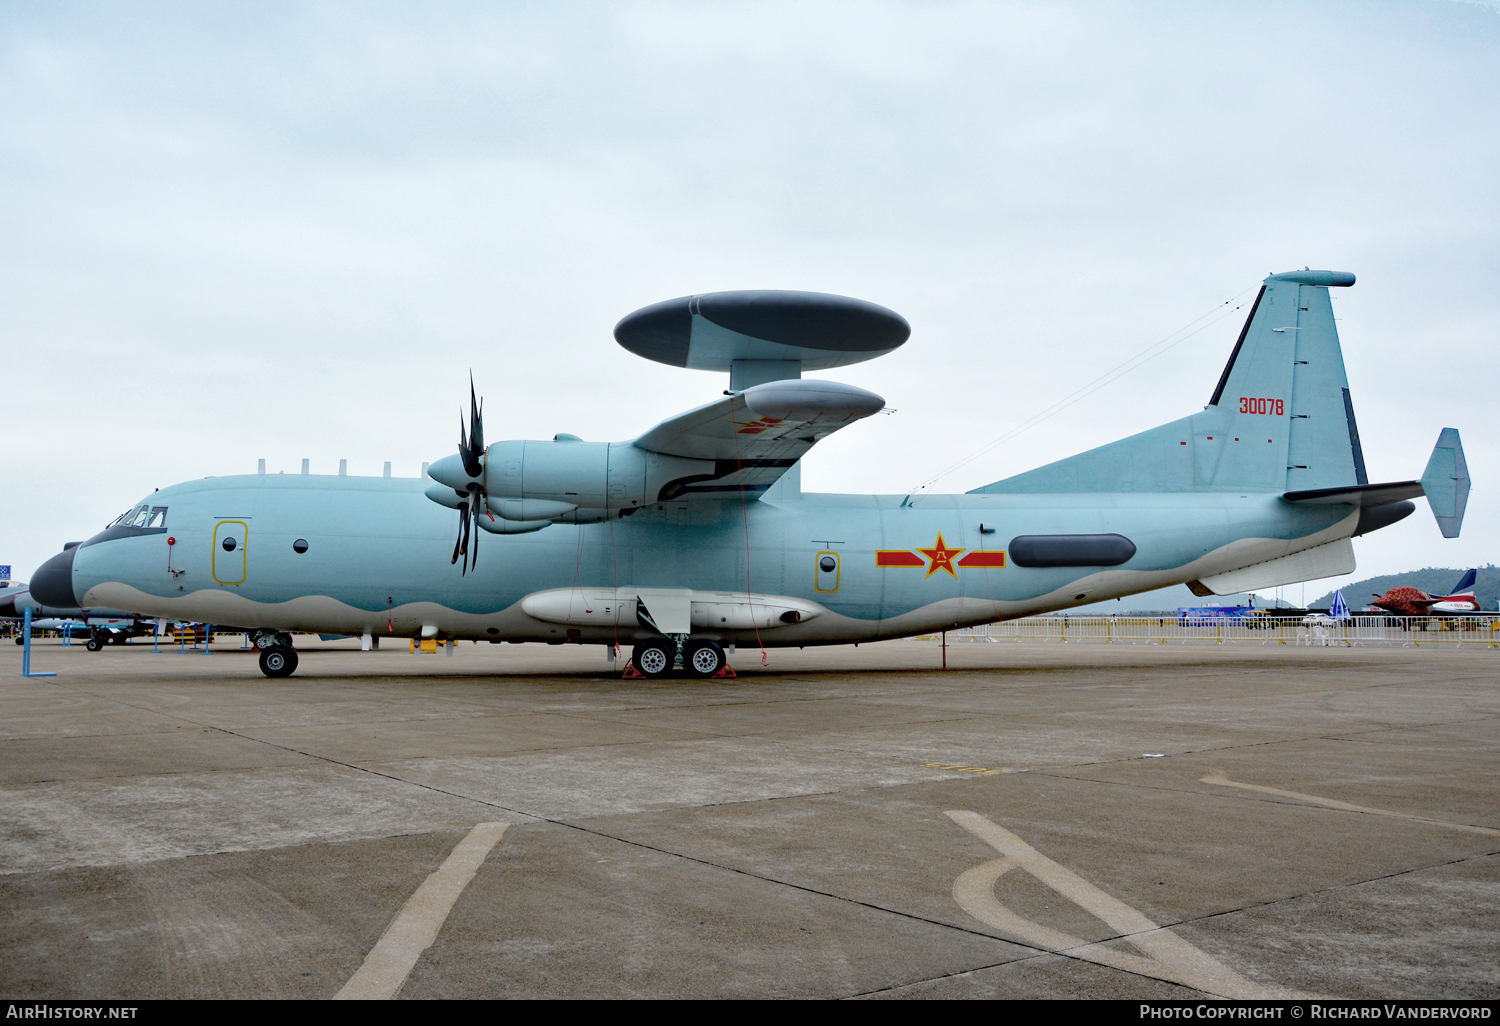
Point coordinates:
[[1265, 630]]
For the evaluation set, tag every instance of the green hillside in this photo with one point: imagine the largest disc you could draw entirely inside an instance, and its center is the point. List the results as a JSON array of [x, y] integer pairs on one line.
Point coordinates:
[[1433, 580]]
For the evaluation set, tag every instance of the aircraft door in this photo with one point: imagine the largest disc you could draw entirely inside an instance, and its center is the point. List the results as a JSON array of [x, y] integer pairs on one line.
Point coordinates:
[[229, 562], [826, 572]]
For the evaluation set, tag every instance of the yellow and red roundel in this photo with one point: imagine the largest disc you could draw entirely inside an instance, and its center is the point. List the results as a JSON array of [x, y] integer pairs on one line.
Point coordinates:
[[940, 557]]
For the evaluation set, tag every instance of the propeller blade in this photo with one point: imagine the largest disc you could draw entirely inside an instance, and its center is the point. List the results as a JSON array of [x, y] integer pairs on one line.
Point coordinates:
[[474, 517], [472, 447], [471, 453], [467, 526], [476, 414]]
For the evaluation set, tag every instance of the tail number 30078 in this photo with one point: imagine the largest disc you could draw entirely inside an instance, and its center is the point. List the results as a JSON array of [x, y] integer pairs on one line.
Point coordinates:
[[1268, 406]]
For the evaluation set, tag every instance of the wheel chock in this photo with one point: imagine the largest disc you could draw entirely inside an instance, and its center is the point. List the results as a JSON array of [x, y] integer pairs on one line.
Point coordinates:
[[727, 671], [631, 673]]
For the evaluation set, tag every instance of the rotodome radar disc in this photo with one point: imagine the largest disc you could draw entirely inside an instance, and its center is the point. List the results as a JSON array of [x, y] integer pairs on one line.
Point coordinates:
[[712, 330]]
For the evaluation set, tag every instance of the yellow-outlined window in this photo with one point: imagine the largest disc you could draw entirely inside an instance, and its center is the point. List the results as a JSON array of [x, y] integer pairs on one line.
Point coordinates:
[[228, 565], [821, 576]]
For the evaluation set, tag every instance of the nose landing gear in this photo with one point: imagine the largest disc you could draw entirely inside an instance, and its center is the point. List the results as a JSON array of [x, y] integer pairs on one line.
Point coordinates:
[[278, 661], [265, 639]]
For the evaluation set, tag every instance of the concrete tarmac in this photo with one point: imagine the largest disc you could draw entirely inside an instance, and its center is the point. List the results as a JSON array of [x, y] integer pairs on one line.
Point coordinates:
[[1039, 820]]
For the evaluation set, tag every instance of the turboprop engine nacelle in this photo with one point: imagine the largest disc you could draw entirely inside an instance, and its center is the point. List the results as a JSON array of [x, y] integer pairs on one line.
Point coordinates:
[[577, 481]]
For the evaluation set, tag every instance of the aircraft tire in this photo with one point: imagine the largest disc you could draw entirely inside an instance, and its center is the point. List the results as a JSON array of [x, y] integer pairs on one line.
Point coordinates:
[[278, 661], [94, 645], [704, 658], [653, 658], [20, 640], [284, 639]]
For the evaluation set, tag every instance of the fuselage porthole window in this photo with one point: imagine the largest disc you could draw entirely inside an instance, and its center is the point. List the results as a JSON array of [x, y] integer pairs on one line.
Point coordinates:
[[300, 545], [229, 544]]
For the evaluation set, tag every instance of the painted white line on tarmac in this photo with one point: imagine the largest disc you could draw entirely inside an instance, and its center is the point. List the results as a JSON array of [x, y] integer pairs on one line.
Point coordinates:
[[1167, 956], [416, 926], [1223, 781]]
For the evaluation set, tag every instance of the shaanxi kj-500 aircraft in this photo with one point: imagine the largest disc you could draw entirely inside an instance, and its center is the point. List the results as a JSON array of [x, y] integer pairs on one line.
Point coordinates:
[[696, 535]]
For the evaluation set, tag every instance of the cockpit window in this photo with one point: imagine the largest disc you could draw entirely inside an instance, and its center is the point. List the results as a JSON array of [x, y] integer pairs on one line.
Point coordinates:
[[142, 516]]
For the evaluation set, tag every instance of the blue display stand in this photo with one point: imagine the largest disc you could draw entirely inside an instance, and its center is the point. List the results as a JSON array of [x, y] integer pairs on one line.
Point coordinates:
[[26, 648]]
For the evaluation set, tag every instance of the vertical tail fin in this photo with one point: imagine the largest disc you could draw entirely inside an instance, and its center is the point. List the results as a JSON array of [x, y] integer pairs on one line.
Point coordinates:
[[1280, 419], [1285, 380]]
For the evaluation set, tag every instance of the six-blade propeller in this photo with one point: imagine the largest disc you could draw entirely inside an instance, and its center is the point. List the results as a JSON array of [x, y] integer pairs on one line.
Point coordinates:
[[471, 451]]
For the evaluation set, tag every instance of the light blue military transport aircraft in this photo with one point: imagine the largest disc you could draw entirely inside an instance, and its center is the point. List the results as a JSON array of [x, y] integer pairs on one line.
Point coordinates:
[[696, 536]]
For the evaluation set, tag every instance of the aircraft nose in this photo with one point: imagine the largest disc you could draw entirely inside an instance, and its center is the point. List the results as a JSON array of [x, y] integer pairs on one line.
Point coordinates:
[[52, 584]]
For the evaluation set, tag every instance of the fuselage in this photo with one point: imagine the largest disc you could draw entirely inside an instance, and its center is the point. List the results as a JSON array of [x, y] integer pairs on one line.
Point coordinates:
[[372, 555]]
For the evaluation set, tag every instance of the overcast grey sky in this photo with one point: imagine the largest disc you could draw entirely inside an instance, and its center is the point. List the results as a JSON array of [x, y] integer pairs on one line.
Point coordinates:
[[289, 230]]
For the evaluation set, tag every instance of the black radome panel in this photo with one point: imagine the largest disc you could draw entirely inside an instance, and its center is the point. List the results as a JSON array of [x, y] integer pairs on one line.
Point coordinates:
[[1047, 550]]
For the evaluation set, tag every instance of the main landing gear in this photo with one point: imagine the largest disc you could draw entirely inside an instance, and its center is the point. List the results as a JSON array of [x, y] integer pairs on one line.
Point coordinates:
[[278, 661], [655, 659]]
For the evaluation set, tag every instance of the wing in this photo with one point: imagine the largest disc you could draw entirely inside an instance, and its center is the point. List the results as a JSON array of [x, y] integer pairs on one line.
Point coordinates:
[[754, 436]]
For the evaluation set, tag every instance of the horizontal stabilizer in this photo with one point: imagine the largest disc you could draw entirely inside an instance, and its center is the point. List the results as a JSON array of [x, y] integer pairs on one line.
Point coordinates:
[[1446, 482], [1363, 496]]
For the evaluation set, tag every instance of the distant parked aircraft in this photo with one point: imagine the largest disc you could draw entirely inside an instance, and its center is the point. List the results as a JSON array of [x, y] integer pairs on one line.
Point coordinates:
[[104, 626], [1409, 601]]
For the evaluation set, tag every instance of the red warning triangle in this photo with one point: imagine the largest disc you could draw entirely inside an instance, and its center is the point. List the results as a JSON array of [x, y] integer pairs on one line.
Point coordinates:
[[631, 673], [727, 671]]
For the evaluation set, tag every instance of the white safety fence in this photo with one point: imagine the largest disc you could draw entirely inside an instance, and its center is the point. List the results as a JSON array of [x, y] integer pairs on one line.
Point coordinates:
[[1265, 630]]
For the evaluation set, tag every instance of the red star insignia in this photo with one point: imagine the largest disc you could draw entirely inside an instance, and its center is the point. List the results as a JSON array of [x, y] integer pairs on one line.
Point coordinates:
[[942, 557]]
